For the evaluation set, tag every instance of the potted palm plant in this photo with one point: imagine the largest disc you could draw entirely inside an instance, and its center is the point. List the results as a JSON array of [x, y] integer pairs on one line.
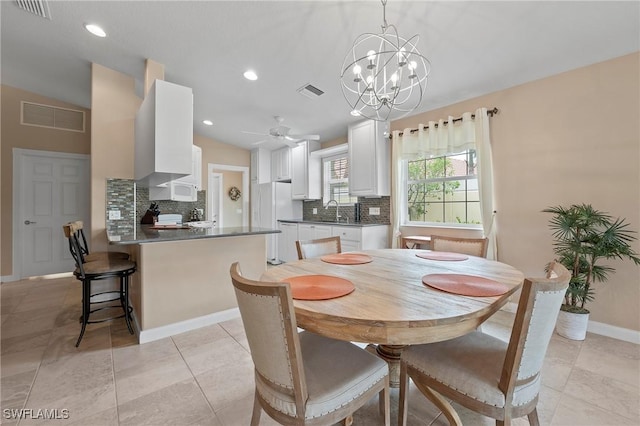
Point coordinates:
[[583, 237]]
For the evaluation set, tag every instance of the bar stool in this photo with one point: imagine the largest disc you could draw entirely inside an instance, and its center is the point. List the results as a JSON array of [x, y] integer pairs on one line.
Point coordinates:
[[100, 269], [84, 247]]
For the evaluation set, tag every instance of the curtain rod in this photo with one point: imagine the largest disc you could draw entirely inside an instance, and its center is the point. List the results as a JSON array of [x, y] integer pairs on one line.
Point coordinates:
[[490, 113]]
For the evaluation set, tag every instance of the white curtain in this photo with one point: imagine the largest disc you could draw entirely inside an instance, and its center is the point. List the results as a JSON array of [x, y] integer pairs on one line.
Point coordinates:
[[446, 138]]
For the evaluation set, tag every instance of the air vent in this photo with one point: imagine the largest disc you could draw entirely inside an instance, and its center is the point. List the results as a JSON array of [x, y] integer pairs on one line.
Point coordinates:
[[37, 7], [52, 117], [310, 91]]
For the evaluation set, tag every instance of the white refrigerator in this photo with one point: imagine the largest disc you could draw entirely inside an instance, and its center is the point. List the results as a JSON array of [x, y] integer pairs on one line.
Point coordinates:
[[274, 203]]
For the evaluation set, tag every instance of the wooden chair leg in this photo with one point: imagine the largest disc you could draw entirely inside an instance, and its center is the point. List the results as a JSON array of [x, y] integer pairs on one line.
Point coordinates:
[[257, 409], [403, 397], [440, 402], [348, 421], [533, 417], [384, 404]]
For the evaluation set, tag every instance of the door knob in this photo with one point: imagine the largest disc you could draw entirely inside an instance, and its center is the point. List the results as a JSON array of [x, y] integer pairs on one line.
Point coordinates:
[[28, 222]]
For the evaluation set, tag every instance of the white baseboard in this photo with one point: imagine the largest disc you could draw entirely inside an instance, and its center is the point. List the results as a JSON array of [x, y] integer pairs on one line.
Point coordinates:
[[614, 332], [146, 336], [600, 328]]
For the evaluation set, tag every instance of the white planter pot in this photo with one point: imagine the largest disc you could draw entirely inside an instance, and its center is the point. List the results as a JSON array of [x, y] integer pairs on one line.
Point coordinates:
[[572, 326]]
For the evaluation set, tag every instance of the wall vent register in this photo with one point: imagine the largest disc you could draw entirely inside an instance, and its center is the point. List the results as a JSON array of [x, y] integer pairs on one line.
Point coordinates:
[[40, 115]]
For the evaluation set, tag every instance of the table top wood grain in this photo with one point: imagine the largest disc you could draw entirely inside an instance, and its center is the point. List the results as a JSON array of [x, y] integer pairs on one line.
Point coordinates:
[[391, 305]]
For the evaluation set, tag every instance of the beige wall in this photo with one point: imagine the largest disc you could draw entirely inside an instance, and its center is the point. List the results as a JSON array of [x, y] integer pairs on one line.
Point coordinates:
[[15, 135], [230, 215], [569, 138], [214, 152], [114, 105]]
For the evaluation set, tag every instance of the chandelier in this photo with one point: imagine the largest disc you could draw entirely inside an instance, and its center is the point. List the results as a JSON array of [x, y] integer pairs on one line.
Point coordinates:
[[384, 75]]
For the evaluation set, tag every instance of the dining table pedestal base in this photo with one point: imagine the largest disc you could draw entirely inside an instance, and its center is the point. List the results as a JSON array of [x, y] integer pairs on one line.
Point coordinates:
[[391, 354]]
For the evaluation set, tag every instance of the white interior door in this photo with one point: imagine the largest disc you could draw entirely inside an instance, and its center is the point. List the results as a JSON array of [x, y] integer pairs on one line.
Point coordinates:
[[51, 190], [216, 200]]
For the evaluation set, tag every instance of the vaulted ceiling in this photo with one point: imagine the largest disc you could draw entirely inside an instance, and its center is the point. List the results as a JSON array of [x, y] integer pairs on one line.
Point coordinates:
[[475, 48]]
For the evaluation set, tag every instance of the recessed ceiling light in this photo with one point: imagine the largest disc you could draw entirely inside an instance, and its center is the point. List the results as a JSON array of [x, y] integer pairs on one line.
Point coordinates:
[[250, 75], [95, 30], [207, 122]]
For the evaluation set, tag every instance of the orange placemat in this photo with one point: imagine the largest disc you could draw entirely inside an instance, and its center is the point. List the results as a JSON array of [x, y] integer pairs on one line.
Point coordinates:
[[319, 287], [347, 258], [465, 285], [442, 255]]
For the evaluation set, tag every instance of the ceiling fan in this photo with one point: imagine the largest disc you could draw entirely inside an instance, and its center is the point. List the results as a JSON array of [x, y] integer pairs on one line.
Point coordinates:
[[281, 133]]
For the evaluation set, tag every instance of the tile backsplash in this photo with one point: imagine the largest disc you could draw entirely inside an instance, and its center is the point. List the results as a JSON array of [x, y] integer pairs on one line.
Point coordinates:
[[132, 202], [383, 203]]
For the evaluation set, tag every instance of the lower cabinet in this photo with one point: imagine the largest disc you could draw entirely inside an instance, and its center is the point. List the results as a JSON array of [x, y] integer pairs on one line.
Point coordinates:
[[313, 232], [352, 238]]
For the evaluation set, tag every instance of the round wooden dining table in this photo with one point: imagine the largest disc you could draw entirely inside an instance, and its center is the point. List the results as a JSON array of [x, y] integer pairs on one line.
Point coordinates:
[[390, 306]]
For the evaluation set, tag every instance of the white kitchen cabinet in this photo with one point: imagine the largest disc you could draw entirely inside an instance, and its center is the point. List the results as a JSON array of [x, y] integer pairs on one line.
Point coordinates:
[[306, 176], [369, 159], [353, 238], [185, 188], [281, 165], [260, 165], [308, 231], [164, 134], [287, 242]]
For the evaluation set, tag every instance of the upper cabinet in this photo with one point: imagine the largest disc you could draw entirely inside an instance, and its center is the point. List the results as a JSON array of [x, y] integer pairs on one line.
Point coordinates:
[[164, 134], [185, 188], [260, 165], [306, 176], [369, 159], [281, 165]]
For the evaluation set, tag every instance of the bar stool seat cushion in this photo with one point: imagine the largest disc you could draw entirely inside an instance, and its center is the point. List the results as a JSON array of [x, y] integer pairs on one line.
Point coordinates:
[[100, 255], [106, 266]]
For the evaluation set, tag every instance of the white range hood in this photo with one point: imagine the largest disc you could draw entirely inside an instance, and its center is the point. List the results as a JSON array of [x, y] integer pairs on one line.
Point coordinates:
[[164, 134]]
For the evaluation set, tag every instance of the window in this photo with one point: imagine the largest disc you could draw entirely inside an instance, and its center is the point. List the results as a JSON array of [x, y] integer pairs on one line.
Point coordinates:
[[442, 190], [336, 179]]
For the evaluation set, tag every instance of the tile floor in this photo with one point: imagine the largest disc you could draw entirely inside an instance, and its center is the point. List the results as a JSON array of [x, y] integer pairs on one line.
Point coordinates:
[[205, 377]]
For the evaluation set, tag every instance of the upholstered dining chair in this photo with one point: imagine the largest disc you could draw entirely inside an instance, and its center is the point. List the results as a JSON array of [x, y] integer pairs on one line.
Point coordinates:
[[78, 226], [319, 247], [470, 246], [95, 270], [303, 378], [487, 375]]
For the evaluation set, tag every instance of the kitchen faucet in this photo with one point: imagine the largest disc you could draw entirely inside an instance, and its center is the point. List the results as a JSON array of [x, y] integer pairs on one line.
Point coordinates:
[[326, 206]]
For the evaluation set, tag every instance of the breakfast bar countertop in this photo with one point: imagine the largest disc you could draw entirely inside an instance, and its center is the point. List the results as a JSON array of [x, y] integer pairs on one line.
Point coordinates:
[[332, 223], [148, 234]]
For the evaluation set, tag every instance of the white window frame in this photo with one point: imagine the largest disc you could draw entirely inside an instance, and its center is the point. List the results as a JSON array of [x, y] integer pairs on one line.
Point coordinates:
[[405, 221], [326, 194]]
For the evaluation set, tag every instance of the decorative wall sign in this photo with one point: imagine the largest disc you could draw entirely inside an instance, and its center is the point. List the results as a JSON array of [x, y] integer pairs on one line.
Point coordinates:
[[234, 193]]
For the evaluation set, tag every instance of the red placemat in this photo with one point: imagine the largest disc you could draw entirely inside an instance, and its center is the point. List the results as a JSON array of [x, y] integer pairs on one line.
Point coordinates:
[[347, 258], [465, 285], [319, 287], [442, 255]]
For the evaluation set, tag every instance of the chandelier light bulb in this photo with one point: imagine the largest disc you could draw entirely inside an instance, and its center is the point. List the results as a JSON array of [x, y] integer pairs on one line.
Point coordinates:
[[371, 55]]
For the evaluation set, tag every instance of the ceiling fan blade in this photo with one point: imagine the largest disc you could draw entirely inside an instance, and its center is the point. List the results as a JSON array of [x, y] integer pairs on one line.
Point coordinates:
[[303, 137], [254, 133], [260, 142]]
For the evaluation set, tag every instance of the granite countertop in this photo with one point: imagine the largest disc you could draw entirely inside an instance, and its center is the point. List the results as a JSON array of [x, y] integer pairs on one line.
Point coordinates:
[[324, 222], [146, 234]]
